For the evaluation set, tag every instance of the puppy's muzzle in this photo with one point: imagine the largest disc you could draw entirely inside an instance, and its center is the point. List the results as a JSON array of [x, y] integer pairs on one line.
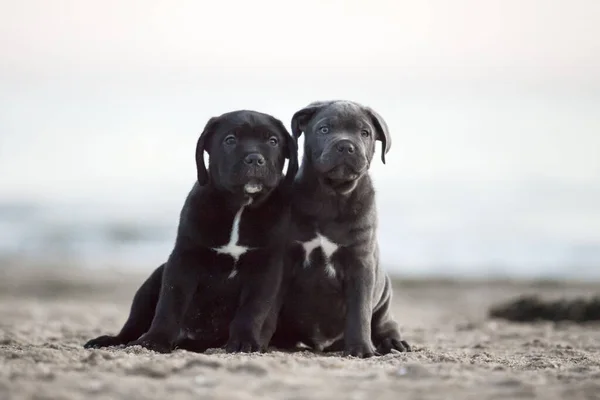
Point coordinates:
[[345, 147], [255, 169], [341, 164], [255, 159], [343, 155]]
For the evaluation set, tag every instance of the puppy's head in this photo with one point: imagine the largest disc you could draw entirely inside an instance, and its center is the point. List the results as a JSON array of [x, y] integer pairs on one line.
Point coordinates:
[[340, 140], [247, 152]]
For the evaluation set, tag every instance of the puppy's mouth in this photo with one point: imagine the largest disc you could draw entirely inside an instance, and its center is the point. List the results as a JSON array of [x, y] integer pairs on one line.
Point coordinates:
[[254, 182], [340, 185], [341, 179], [253, 187]]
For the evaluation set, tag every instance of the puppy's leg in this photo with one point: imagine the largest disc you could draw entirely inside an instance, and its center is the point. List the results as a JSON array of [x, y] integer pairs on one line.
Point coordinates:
[[386, 335], [358, 287], [269, 325], [140, 314], [260, 294], [179, 283]]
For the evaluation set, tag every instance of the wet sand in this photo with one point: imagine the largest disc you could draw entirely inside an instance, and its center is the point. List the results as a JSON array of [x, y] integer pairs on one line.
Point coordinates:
[[459, 352]]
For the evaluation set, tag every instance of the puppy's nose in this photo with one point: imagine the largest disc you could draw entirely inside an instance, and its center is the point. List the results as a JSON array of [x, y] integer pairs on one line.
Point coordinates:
[[254, 158], [345, 146]]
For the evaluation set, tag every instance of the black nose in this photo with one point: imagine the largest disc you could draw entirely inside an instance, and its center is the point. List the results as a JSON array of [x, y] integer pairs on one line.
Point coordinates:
[[345, 146], [254, 158]]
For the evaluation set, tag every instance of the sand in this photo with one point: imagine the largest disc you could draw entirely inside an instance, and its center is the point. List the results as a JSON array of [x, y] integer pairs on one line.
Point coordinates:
[[46, 316]]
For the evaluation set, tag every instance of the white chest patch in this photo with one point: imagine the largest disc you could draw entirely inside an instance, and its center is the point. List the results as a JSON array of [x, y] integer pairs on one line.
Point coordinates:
[[328, 248], [232, 248]]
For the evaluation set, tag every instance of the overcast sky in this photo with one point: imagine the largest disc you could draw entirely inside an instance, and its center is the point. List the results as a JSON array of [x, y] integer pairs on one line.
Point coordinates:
[[520, 39], [100, 92]]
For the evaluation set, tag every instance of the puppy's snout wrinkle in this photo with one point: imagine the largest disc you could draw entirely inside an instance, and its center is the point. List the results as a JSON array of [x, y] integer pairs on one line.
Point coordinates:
[[345, 146], [254, 159]]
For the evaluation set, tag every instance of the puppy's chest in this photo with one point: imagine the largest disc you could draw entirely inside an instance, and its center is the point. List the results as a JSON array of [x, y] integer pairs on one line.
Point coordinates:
[[319, 247], [235, 237]]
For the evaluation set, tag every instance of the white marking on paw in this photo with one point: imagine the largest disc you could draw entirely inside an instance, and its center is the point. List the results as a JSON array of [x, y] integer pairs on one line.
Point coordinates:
[[328, 248], [233, 248]]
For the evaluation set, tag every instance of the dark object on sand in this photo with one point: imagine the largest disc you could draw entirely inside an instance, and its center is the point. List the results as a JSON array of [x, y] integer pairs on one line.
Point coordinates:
[[532, 308]]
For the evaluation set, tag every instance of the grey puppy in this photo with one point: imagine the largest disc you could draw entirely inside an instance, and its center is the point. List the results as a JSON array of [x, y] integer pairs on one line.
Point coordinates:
[[337, 295]]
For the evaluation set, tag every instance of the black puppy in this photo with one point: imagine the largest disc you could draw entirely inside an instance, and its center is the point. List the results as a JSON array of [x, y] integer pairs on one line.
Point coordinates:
[[339, 297], [220, 285]]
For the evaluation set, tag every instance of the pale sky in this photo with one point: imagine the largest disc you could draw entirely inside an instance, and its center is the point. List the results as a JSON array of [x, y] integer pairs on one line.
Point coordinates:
[[86, 81], [444, 39]]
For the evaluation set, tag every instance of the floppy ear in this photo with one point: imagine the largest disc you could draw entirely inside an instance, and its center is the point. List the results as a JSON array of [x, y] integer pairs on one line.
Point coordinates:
[[383, 132], [290, 152], [200, 148], [300, 118]]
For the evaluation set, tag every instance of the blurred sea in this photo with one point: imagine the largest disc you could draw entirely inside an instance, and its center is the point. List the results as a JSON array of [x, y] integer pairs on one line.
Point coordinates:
[[425, 230]]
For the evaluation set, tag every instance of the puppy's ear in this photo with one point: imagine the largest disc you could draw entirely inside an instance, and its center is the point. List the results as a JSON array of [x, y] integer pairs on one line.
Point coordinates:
[[290, 152], [300, 118], [382, 133], [203, 143]]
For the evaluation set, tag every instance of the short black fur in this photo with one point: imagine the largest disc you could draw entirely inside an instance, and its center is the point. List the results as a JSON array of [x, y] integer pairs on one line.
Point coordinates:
[[195, 301]]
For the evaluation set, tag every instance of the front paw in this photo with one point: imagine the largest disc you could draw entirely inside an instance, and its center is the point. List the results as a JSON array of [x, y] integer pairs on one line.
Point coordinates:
[[360, 350], [388, 344], [239, 343], [153, 342], [103, 341]]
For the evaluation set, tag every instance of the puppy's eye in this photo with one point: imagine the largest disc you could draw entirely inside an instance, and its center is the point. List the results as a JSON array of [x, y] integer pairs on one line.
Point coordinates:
[[365, 133], [230, 140], [273, 141], [324, 129]]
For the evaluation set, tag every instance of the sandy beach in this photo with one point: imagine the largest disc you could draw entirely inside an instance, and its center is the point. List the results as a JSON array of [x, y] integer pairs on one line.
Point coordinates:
[[459, 352]]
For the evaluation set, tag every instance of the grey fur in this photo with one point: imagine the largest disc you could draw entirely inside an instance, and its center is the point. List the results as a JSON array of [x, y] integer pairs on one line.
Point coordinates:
[[333, 195]]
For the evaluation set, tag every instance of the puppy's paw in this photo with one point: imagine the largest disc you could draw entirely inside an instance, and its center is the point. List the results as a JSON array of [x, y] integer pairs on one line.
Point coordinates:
[[103, 341], [239, 344], [388, 344], [361, 350], [153, 343]]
